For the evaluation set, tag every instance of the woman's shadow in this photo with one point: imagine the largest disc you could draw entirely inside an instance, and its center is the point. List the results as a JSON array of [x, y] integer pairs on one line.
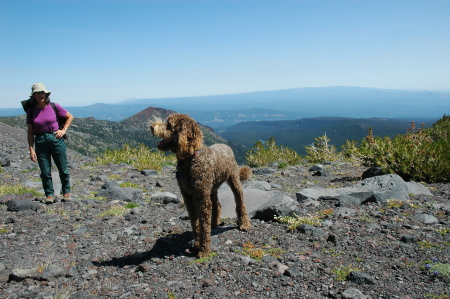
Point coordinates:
[[170, 245]]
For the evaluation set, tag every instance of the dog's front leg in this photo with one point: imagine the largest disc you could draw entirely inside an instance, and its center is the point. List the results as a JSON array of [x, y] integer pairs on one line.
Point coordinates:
[[193, 215], [204, 216]]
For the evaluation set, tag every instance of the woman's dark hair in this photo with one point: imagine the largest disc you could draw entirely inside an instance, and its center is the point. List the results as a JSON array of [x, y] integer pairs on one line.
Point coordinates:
[[33, 102]]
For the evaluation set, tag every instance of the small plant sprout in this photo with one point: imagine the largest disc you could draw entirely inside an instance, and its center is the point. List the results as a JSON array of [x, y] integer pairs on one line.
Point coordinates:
[[3, 229], [343, 272], [311, 219], [393, 203], [171, 296], [115, 210], [204, 259], [41, 267], [131, 205], [256, 253], [437, 268]]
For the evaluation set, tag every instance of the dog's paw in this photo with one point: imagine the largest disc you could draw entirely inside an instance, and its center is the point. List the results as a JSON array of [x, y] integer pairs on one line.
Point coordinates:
[[202, 254], [245, 226]]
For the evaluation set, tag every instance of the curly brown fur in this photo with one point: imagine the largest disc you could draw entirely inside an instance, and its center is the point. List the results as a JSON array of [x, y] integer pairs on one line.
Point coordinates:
[[201, 170]]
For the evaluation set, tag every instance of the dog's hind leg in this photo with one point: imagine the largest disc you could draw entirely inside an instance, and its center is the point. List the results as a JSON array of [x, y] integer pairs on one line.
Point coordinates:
[[241, 211], [216, 209]]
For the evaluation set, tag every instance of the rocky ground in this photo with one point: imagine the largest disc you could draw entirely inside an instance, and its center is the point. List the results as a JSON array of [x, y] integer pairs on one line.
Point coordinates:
[[76, 250]]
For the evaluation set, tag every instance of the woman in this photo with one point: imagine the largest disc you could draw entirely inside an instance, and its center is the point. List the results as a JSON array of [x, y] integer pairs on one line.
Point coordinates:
[[44, 132]]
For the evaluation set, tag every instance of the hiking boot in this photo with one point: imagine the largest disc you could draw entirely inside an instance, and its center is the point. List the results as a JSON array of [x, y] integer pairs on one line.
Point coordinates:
[[49, 200], [66, 197]]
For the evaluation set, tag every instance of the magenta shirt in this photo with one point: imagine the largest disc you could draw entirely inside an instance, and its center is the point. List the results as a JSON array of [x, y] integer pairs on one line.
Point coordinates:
[[44, 120]]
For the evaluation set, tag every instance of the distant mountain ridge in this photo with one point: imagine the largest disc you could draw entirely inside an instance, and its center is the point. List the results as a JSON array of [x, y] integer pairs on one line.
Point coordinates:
[[340, 101], [288, 104]]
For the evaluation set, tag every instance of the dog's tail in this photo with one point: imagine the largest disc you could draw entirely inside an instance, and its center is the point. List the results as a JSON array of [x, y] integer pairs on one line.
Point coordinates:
[[244, 173]]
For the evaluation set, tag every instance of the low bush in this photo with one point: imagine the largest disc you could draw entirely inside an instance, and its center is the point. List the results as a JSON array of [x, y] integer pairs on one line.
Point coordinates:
[[17, 190], [141, 157], [267, 153], [322, 150], [419, 155]]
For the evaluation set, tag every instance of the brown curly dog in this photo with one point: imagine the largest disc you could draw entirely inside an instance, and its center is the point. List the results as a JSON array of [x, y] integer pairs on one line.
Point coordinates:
[[200, 172]]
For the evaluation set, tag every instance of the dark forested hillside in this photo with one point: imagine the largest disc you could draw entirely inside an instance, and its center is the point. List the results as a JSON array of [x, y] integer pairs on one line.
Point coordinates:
[[91, 136], [296, 134]]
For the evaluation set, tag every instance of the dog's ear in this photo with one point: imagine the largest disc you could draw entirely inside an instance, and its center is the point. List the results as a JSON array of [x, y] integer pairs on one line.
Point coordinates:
[[154, 120], [190, 138]]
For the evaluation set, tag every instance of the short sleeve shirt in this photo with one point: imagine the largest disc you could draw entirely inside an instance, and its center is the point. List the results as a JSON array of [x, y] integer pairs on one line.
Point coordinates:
[[44, 120]]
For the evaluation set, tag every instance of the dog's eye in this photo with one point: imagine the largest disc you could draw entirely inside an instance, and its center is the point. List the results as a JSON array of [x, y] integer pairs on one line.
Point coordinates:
[[168, 126]]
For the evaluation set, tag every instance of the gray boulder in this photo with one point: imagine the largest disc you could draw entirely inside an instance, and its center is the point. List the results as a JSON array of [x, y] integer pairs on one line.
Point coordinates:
[[128, 194], [259, 185], [16, 205], [316, 167], [353, 199], [149, 172], [19, 274], [263, 205], [361, 278], [344, 212], [262, 171], [425, 218], [371, 172], [53, 272], [165, 197], [311, 230], [386, 187], [4, 160], [373, 189], [353, 293]]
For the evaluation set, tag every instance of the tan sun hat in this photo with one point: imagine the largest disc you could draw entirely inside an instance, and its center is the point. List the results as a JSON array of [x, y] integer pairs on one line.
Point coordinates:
[[38, 87]]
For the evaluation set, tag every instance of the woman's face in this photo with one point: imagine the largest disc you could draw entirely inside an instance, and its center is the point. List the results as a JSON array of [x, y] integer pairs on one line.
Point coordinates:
[[40, 96]]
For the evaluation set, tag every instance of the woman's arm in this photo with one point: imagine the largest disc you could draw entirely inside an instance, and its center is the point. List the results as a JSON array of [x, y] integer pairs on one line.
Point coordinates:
[[69, 119], [30, 135]]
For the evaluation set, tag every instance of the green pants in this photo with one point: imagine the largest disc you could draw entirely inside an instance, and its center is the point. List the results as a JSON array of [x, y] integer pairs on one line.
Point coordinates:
[[48, 147]]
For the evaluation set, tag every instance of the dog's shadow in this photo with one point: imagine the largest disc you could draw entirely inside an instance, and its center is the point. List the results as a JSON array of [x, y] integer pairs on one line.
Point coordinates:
[[170, 245]]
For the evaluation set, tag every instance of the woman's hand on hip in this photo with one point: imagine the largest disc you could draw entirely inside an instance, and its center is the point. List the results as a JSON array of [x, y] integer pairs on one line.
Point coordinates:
[[60, 133]]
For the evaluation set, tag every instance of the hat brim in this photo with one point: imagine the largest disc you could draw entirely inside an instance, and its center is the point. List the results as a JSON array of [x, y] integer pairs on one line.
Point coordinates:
[[46, 91]]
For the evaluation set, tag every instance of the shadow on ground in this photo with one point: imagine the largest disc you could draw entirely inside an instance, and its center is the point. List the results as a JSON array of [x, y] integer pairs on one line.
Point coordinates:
[[170, 245]]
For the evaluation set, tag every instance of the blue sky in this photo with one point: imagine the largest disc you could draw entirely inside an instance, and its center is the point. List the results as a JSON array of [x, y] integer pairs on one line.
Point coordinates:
[[100, 51]]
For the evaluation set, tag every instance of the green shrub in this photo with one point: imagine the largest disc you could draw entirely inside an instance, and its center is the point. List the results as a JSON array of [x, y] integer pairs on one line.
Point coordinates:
[[17, 190], [131, 184], [321, 150], [420, 154], [343, 272], [267, 153], [295, 221], [131, 205], [115, 210], [141, 157]]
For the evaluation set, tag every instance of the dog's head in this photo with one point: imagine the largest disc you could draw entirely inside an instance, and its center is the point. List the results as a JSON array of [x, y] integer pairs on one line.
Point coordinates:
[[180, 134]]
